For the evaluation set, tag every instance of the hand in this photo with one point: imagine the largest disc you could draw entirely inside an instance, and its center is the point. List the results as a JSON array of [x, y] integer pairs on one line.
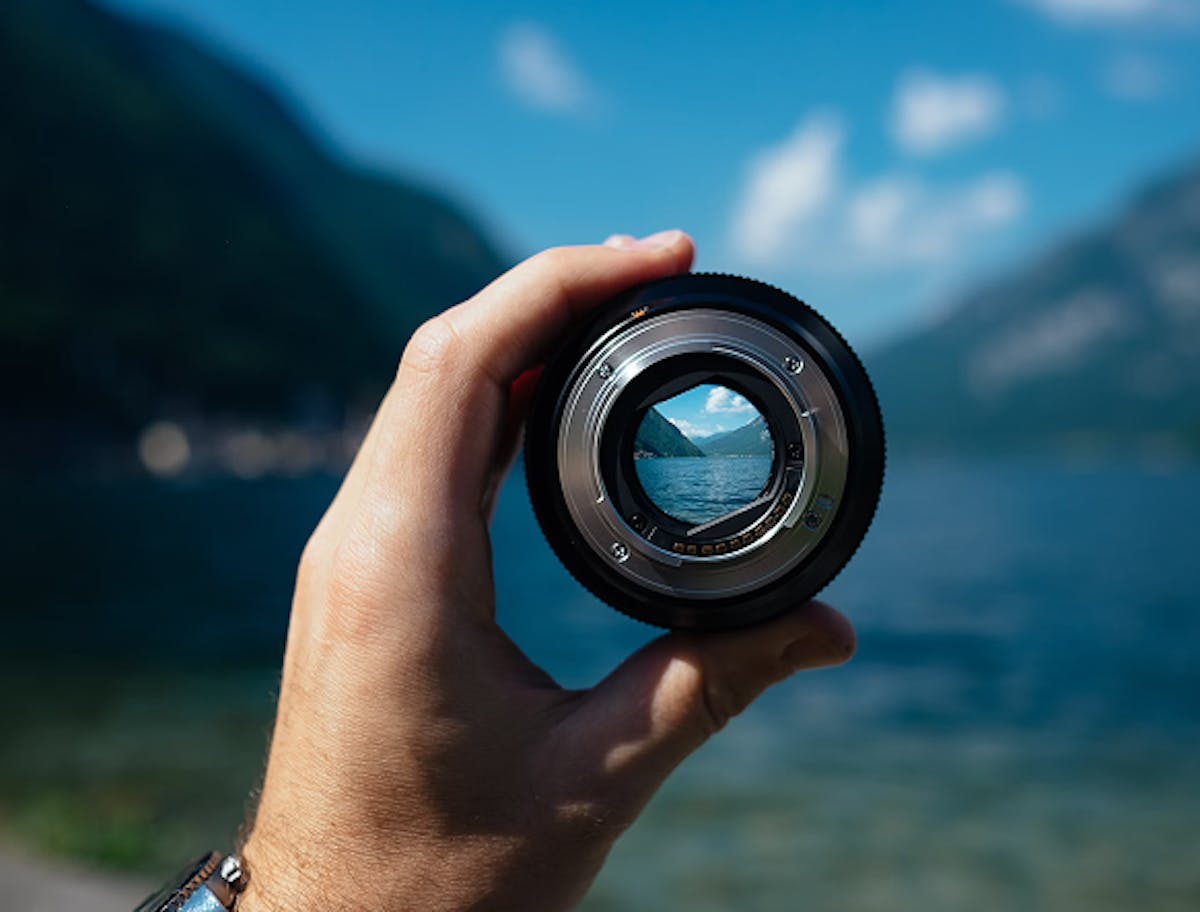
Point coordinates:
[[420, 760]]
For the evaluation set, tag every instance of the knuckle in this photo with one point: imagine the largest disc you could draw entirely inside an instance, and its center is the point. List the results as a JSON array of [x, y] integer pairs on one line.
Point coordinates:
[[347, 571], [712, 698], [695, 697], [308, 565], [553, 266], [551, 260], [433, 348], [354, 605], [717, 703], [315, 556]]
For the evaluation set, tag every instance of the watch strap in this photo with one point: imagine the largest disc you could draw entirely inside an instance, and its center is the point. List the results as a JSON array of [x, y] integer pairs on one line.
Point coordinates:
[[209, 884], [203, 900]]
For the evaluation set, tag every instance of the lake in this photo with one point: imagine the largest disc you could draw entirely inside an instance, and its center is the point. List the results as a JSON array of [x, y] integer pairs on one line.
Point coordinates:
[[1020, 727], [697, 489]]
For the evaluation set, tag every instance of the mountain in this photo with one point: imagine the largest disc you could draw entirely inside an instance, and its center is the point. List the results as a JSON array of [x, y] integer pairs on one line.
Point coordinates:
[[753, 439], [1094, 347], [656, 436], [176, 240]]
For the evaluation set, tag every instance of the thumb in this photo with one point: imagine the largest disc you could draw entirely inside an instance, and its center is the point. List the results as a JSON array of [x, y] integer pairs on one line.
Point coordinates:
[[671, 696]]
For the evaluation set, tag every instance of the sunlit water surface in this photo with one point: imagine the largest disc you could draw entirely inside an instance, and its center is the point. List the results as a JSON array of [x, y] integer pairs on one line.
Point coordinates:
[[697, 489], [1019, 730]]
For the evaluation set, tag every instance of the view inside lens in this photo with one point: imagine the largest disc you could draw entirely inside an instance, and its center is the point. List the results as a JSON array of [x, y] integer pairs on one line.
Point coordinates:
[[703, 453]]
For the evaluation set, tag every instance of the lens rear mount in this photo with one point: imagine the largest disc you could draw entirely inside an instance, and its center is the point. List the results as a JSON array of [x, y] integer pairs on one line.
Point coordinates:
[[818, 420]]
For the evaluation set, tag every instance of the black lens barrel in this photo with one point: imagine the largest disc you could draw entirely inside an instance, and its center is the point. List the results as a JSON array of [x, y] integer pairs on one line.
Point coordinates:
[[835, 521]]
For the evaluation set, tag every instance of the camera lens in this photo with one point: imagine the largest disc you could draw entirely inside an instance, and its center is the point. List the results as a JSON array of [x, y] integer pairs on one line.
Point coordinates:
[[706, 452]]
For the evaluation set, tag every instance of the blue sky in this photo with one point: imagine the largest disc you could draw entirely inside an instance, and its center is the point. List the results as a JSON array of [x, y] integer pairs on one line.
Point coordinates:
[[870, 157], [706, 410]]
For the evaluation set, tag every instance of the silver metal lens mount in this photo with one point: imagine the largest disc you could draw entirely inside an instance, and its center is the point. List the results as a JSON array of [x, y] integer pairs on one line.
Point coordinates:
[[798, 500], [760, 556]]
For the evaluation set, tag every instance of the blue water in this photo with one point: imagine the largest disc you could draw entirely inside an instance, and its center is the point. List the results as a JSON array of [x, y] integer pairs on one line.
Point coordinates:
[[697, 489], [1019, 729]]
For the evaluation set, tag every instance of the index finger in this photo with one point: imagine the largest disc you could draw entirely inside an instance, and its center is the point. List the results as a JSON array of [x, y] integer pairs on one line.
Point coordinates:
[[508, 326], [439, 426]]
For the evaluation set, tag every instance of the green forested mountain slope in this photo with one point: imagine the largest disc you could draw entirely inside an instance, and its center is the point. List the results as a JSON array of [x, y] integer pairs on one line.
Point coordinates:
[[173, 240], [656, 436]]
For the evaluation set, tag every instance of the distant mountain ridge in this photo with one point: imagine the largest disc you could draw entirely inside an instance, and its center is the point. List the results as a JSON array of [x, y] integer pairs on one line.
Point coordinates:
[[177, 242], [658, 437], [751, 439], [1093, 348]]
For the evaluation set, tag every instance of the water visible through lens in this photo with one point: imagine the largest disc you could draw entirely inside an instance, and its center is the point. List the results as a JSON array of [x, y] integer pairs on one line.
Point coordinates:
[[703, 453]]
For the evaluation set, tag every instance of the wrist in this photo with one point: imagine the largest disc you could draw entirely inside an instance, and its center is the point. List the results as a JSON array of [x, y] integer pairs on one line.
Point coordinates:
[[291, 873], [277, 881], [284, 876]]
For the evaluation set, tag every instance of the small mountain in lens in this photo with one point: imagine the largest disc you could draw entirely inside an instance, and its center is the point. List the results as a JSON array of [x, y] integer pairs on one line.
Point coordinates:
[[752, 439], [656, 436]]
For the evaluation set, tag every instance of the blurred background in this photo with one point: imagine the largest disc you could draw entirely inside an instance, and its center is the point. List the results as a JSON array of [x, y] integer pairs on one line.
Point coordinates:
[[220, 220]]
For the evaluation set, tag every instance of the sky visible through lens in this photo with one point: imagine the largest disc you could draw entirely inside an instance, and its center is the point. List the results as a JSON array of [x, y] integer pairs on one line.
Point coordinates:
[[706, 410], [723, 467]]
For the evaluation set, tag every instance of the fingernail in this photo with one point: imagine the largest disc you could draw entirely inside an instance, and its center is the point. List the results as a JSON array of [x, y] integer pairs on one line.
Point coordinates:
[[659, 240], [620, 240]]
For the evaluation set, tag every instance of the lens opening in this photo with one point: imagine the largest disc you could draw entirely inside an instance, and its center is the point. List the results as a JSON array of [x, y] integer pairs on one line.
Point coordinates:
[[703, 454], [720, 530]]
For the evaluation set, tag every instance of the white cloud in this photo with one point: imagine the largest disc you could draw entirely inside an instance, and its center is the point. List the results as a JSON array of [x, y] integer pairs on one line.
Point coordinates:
[[723, 401], [932, 113], [1132, 77], [694, 431], [878, 223], [1117, 12], [899, 219], [787, 185], [539, 72]]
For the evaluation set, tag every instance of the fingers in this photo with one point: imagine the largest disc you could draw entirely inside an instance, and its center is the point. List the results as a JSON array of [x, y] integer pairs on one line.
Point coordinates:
[[670, 697], [509, 326], [442, 422], [520, 396]]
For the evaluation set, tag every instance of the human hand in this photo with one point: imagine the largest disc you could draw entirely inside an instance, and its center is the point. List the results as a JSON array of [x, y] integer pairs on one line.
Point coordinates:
[[420, 760]]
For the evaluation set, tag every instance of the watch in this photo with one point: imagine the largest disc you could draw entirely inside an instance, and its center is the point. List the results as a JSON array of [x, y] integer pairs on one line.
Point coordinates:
[[211, 883]]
